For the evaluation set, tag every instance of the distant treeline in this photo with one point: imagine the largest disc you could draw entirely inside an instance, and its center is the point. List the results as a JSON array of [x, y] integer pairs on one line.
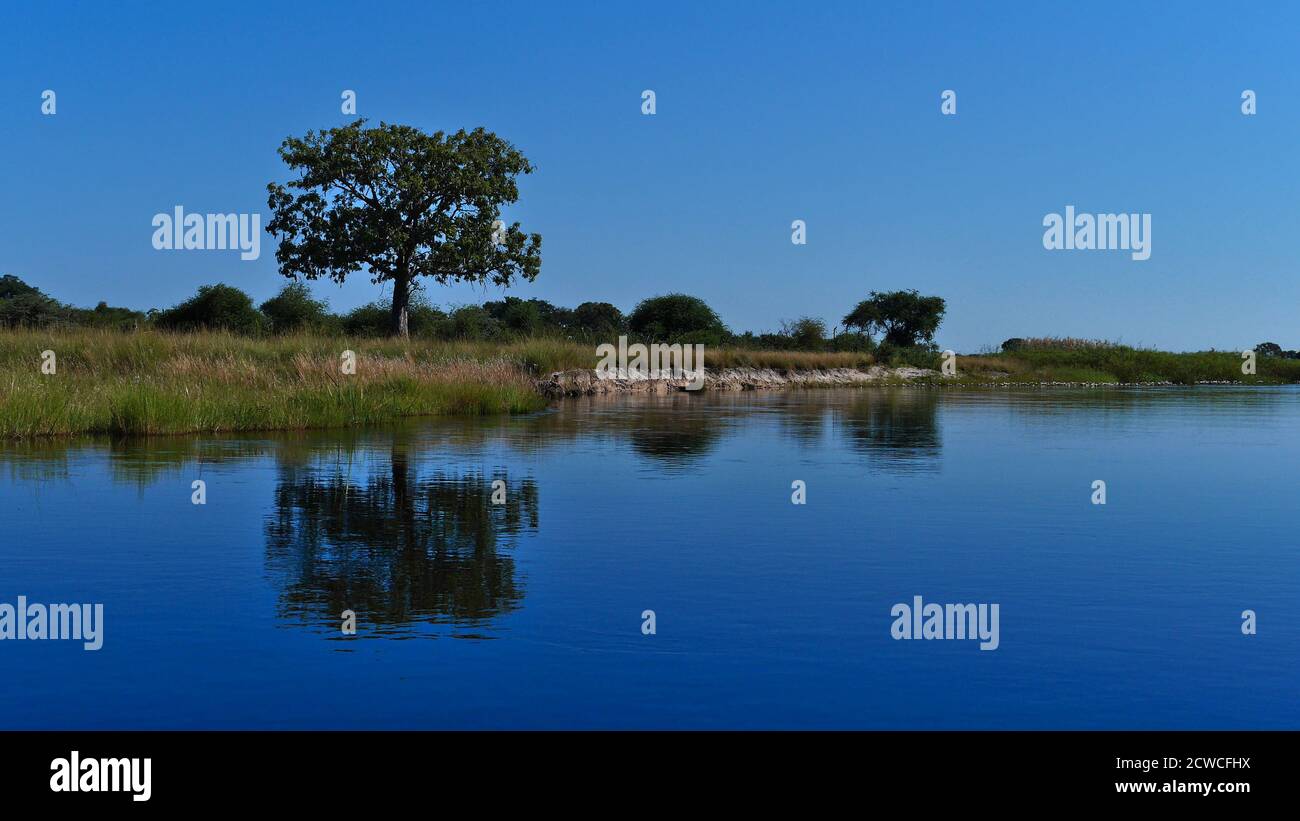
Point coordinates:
[[22, 305], [666, 318], [1059, 343], [1274, 349], [904, 321]]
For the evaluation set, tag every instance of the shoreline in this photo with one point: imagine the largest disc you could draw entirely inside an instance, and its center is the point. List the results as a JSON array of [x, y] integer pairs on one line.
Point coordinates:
[[575, 383], [587, 382], [69, 383], [480, 397]]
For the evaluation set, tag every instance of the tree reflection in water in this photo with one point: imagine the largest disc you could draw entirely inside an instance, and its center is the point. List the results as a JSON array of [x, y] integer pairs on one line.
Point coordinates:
[[397, 549], [900, 428]]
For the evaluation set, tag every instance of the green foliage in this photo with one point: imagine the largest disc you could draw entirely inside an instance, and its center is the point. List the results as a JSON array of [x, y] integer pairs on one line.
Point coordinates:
[[904, 317], [472, 322], [674, 318], [540, 337], [11, 287], [295, 309], [424, 319], [1110, 362], [1055, 343], [852, 342], [367, 320], [805, 333], [402, 204], [1275, 350], [214, 307], [523, 317], [526, 317], [211, 381], [792, 338], [598, 320], [22, 305], [911, 356], [104, 315]]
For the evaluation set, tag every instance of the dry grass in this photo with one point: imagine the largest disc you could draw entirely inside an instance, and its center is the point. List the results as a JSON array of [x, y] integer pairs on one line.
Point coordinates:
[[157, 383], [783, 360], [150, 383]]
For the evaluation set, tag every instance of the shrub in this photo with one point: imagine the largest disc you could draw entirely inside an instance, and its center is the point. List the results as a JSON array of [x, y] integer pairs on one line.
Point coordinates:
[[520, 316], [214, 307], [368, 320], [601, 320], [104, 315], [472, 322], [914, 356], [529, 317], [1058, 343], [852, 342], [374, 319], [294, 309], [676, 318], [805, 333]]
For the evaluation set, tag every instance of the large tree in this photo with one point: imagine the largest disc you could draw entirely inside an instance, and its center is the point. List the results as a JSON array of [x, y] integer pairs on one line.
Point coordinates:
[[904, 317], [402, 204]]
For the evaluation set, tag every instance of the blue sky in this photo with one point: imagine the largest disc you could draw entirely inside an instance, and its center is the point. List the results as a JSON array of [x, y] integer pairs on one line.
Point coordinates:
[[766, 113]]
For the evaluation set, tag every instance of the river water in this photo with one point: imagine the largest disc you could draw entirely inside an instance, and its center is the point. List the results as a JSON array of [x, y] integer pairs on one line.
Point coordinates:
[[530, 611]]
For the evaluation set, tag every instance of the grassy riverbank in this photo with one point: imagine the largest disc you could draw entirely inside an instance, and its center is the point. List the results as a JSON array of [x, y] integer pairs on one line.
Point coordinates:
[[151, 383], [160, 383], [1100, 363]]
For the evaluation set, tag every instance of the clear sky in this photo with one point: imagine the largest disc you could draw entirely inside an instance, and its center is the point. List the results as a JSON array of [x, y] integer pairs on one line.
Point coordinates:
[[766, 113]]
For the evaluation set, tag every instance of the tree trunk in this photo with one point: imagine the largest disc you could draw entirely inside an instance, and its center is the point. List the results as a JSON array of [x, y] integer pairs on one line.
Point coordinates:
[[401, 300]]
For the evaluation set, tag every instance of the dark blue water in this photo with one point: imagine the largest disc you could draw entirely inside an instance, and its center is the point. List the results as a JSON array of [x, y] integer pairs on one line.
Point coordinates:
[[768, 614]]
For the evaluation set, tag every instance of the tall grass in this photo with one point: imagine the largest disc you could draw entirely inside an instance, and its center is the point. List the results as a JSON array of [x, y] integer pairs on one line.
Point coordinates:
[[159, 383], [543, 355], [1094, 362], [783, 360], [153, 383]]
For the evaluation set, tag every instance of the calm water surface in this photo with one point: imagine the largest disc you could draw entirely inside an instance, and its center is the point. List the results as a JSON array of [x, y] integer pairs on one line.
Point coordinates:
[[769, 614]]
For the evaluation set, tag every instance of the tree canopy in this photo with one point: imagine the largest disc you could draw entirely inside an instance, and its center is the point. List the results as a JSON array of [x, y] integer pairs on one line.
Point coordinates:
[[596, 319], [676, 318], [904, 317], [401, 204], [23, 305]]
